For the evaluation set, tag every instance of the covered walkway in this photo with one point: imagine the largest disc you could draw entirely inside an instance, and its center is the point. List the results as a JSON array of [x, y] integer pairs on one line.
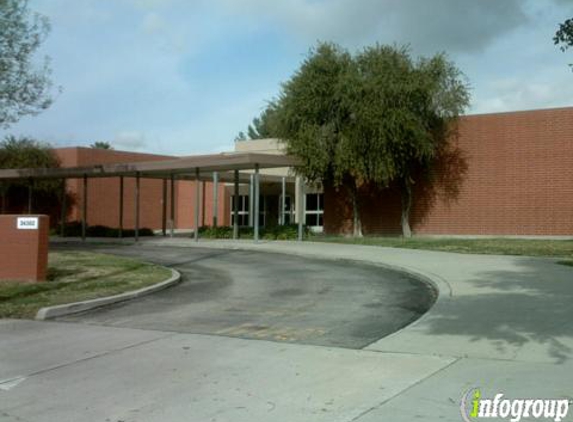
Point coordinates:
[[236, 168]]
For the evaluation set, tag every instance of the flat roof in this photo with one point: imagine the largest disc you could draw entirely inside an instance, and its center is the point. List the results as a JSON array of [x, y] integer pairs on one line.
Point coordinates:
[[184, 168]]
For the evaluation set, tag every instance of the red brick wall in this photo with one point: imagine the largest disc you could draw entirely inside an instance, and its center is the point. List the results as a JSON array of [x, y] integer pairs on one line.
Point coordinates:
[[505, 174], [103, 194], [185, 211], [23, 253]]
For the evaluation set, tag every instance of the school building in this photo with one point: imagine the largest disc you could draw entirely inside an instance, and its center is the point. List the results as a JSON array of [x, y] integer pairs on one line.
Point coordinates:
[[502, 174]]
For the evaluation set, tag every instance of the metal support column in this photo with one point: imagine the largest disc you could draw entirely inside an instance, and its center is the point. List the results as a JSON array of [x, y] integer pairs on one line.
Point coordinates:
[[64, 210], [137, 195], [300, 206], [203, 202], [256, 204], [283, 203], [172, 208], [197, 209], [215, 198], [251, 200], [120, 231], [236, 207], [85, 208], [164, 209]]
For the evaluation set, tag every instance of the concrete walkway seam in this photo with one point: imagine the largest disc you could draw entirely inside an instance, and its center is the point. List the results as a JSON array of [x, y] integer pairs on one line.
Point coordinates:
[[50, 312]]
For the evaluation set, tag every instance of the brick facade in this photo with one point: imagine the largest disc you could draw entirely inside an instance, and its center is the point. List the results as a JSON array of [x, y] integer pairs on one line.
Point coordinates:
[[24, 253], [103, 194], [504, 174]]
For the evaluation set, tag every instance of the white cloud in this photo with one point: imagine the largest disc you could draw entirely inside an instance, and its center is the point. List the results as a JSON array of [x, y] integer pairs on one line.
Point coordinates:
[[523, 93], [184, 76], [451, 25], [130, 140], [150, 4]]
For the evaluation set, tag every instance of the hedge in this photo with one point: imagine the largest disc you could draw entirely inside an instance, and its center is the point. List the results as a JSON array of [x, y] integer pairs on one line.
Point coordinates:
[[74, 229], [288, 232]]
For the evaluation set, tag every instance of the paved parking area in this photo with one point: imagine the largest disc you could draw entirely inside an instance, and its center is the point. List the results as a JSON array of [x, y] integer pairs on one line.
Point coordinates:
[[277, 297]]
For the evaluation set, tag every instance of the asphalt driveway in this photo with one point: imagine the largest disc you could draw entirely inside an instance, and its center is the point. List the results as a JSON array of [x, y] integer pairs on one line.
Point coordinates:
[[277, 297], [500, 323]]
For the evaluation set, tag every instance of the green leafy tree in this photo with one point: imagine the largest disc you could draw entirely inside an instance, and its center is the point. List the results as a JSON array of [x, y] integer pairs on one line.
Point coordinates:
[[24, 87], [101, 145], [16, 153], [403, 113], [311, 114], [240, 137], [262, 126], [376, 118], [564, 35]]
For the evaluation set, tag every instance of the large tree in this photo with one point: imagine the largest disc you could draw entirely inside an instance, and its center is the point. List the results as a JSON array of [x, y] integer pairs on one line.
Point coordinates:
[[312, 112], [18, 153], [24, 84], [376, 118], [403, 111]]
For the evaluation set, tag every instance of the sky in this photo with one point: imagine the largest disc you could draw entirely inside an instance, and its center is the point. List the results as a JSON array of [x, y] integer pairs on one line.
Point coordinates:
[[184, 77]]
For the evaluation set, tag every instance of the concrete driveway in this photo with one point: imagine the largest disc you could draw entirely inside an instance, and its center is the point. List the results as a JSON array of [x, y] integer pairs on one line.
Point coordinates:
[[277, 297], [500, 323]]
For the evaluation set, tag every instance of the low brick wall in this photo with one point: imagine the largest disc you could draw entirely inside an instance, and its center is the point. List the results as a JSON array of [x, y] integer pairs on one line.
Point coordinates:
[[23, 251]]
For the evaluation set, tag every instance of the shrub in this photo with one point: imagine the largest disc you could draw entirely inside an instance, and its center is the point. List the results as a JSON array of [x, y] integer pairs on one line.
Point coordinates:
[[220, 232], [146, 231], [74, 229], [289, 232]]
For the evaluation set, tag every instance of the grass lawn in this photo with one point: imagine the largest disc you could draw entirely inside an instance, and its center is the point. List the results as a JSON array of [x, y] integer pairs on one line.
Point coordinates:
[[499, 246], [76, 276]]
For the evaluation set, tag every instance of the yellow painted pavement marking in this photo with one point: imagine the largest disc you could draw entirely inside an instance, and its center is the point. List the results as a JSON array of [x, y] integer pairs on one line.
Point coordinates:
[[280, 333]]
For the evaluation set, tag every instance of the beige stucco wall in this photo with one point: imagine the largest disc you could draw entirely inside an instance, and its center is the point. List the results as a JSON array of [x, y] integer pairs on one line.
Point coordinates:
[[265, 146]]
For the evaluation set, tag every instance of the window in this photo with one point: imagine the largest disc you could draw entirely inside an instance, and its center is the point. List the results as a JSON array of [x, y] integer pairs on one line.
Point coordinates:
[[313, 214], [243, 210]]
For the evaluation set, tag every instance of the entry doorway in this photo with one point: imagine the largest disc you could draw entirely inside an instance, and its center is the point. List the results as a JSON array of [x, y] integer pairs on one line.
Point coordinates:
[[272, 210]]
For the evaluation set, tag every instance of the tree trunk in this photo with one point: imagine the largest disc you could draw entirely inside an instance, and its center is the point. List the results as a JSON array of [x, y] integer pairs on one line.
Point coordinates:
[[356, 222], [406, 206]]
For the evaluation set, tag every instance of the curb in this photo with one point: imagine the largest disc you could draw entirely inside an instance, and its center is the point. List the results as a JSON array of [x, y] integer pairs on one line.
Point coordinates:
[[50, 312]]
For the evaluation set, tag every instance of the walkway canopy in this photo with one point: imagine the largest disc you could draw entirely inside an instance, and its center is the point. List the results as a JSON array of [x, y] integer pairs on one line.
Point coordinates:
[[233, 167]]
